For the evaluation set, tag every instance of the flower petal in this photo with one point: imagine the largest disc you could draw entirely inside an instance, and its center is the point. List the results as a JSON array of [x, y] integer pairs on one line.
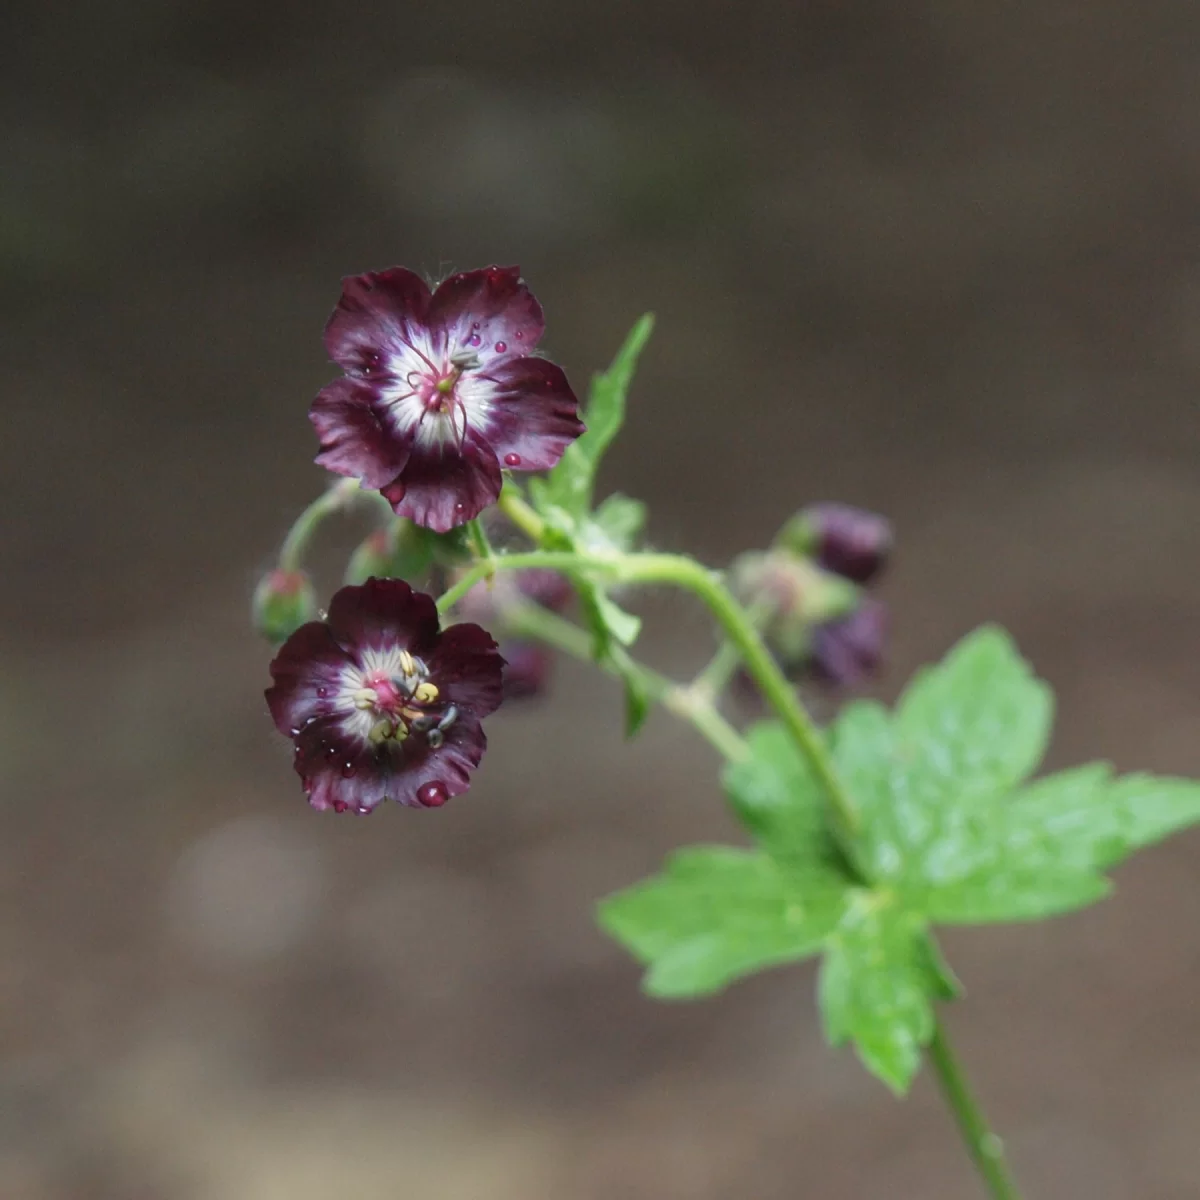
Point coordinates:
[[340, 772], [446, 483], [427, 777], [532, 413], [308, 662], [490, 312], [467, 668], [526, 668], [380, 313], [354, 439], [848, 651], [383, 613]]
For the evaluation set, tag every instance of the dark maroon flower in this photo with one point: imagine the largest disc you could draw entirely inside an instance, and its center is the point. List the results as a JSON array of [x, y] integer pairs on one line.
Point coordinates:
[[527, 669], [527, 664], [850, 650], [380, 703], [851, 542], [441, 390]]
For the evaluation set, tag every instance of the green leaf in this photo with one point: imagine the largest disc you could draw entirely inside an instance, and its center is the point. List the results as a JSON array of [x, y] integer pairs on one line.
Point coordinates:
[[775, 795], [618, 520], [1085, 816], [875, 988], [716, 914], [637, 705], [979, 720], [569, 485], [619, 624]]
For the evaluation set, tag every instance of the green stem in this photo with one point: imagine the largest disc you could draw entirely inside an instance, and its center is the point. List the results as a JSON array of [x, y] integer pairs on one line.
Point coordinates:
[[985, 1147], [733, 619], [712, 681], [333, 499], [520, 513], [532, 621], [480, 545]]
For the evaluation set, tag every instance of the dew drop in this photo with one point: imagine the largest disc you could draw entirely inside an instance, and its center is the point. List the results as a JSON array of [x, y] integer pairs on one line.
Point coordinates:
[[322, 692], [501, 347], [460, 507], [474, 324], [432, 795], [340, 806], [296, 731], [520, 334], [349, 770], [512, 460], [364, 810], [331, 754]]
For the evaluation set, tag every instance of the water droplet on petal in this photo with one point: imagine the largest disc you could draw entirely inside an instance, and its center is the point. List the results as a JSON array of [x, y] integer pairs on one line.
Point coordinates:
[[474, 324], [520, 334], [512, 460], [349, 770], [296, 731], [501, 347], [364, 809], [432, 795], [340, 806], [331, 754], [460, 507], [322, 692]]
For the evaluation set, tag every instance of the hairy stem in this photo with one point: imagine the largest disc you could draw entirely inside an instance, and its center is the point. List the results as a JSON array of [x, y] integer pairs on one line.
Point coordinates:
[[336, 497], [986, 1149], [532, 621]]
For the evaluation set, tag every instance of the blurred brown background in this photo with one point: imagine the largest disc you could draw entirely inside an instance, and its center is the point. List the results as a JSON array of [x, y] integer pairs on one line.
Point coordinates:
[[938, 258]]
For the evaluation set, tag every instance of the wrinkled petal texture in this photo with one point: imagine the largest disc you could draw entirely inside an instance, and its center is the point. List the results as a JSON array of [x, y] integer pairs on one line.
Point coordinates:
[[378, 317], [323, 671], [490, 312], [445, 484], [533, 414], [382, 613], [440, 391], [310, 661], [355, 438]]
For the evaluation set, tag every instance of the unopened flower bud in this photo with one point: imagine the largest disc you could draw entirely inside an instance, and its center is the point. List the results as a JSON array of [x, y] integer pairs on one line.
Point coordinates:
[[791, 595], [283, 601], [526, 669], [850, 650], [402, 550], [848, 541]]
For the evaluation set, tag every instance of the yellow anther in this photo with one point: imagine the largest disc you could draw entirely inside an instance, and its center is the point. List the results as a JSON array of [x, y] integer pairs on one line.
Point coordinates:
[[426, 693], [380, 732], [406, 663], [365, 698]]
